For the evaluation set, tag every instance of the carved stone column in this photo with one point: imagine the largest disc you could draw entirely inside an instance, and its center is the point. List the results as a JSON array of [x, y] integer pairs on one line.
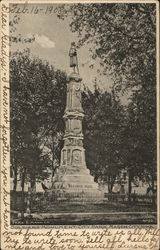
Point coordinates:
[[72, 178]]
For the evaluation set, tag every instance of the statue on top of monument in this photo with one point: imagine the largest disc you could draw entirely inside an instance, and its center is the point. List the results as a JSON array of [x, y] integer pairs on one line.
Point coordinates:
[[73, 58]]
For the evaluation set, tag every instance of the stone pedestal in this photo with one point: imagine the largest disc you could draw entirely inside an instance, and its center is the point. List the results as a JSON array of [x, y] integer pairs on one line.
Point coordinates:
[[72, 180]]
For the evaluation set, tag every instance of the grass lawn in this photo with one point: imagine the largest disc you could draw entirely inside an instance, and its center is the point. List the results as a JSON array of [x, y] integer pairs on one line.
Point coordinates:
[[97, 208], [111, 213]]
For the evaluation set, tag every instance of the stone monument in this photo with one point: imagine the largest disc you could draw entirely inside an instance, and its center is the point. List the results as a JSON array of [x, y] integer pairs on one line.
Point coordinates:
[[72, 180]]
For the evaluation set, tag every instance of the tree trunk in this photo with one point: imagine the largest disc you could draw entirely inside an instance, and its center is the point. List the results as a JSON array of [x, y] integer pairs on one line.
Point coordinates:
[[15, 185], [96, 175], [129, 186], [15, 177], [23, 196], [33, 189], [152, 183], [153, 195], [53, 157], [109, 185], [112, 182]]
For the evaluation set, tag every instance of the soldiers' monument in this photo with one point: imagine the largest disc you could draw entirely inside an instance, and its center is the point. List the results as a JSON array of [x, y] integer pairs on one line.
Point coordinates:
[[72, 180]]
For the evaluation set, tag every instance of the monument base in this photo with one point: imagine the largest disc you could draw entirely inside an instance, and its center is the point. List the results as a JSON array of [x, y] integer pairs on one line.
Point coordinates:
[[75, 184]]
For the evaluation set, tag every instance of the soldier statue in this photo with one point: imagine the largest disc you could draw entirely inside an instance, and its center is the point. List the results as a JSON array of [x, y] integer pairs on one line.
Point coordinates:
[[73, 58]]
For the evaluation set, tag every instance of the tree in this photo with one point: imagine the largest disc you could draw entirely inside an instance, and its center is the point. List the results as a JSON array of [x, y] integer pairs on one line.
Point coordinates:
[[103, 125], [139, 144], [18, 38], [36, 111], [122, 35]]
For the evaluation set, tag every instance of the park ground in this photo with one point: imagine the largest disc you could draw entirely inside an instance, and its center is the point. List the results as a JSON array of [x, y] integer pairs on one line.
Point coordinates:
[[111, 213]]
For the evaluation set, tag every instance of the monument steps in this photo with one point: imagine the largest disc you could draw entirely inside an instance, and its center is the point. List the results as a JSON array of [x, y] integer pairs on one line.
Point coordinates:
[[75, 178], [74, 186], [80, 191]]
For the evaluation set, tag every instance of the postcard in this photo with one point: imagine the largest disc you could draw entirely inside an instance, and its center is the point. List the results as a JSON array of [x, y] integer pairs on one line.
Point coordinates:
[[80, 125]]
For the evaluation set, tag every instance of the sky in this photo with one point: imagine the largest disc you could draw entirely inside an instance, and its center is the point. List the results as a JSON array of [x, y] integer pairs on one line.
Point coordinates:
[[52, 42]]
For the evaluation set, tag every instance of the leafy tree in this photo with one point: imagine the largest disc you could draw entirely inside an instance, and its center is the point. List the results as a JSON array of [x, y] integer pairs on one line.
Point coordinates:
[[13, 22], [103, 125], [139, 139], [36, 111], [122, 35]]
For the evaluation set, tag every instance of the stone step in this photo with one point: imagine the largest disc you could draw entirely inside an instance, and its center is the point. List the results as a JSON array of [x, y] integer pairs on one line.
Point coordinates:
[[86, 197], [78, 192], [73, 170], [75, 185], [75, 178]]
